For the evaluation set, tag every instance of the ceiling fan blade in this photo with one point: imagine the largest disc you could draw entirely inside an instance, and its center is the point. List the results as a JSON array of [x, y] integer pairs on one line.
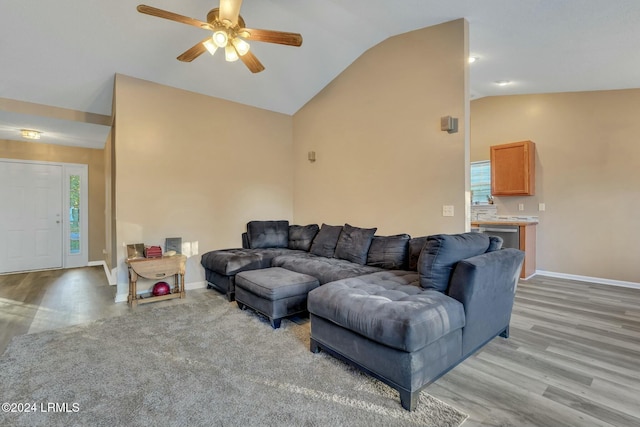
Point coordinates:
[[230, 10], [269, 36], [153, 11], [193, 52], [252, 62]]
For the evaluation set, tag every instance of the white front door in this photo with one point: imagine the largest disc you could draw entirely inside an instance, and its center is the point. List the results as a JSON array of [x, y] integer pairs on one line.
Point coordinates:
[[30, 216]]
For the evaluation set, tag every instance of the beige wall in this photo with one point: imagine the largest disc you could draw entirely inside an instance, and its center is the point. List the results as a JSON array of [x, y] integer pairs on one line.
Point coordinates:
[[196, 167], [382, 159], [588, 175], [63, 154]]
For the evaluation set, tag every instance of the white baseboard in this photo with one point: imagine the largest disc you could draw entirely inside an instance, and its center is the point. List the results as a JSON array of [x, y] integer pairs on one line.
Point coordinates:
[[195, 285], [599, 280], [111, 275], [187, 287]]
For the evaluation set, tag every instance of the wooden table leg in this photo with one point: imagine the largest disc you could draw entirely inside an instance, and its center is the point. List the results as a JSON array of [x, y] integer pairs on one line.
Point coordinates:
[[134, 290], [182, 291], [130, 297]]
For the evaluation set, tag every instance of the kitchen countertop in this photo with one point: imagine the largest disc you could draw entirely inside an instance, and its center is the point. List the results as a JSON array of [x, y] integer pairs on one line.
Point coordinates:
[[504, 222]]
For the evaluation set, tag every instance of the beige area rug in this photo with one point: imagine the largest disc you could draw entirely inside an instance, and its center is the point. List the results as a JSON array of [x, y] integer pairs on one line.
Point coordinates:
[[194, 364]]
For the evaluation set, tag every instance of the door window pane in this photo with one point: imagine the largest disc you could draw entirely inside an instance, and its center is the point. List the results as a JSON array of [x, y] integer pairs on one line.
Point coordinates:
[[74, 214]]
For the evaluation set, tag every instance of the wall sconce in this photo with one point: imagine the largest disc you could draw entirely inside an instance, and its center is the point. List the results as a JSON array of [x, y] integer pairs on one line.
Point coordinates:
[[448, 123], [312, 156], [30, 134]]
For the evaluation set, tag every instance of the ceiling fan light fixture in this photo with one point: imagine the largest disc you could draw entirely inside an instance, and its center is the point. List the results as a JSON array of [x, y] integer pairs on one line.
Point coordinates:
[[242, 47], [30, 133], [230, 53], [227, 30], [210, 46], [220, 38]]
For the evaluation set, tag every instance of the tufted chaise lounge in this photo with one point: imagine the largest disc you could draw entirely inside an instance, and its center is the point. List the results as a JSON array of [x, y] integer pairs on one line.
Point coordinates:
[[407, 335]]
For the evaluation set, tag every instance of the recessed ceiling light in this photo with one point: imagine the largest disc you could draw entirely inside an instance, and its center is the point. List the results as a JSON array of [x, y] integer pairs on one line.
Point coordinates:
[[473, 59], [30, 134], [502, 82]]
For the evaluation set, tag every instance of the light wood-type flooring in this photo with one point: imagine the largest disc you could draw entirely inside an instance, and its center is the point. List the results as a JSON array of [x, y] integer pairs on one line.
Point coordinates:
[[573, 357]]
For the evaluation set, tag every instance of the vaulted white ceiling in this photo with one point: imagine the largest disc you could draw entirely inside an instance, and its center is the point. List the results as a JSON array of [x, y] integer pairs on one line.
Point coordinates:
[[65, 53]]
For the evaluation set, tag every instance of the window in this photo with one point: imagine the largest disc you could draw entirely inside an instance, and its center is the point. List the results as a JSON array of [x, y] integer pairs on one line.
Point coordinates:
[[76, 227], [74, 214], [480, 182]]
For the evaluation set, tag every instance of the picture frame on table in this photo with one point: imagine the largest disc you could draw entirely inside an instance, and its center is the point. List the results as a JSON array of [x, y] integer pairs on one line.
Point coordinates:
[[135, 250], [173, 244]]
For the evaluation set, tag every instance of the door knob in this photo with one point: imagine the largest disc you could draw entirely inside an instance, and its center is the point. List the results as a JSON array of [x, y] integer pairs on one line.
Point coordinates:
[[58, 222]]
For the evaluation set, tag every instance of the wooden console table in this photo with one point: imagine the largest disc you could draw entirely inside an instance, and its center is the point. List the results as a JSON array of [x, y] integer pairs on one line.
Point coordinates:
[[156, 269]]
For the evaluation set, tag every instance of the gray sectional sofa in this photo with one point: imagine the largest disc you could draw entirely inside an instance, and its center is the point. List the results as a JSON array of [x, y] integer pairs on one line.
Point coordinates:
[[404, 310]]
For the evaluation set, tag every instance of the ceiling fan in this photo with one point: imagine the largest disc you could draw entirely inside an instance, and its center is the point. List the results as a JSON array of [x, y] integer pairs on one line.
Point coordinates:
[[228, 33]]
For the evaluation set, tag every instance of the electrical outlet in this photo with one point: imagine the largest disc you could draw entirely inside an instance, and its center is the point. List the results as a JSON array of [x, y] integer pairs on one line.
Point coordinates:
[[447, 210], [541, 207], [520, 206]]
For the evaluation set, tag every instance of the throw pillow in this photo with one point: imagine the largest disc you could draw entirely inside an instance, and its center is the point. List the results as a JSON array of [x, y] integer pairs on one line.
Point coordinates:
[[389, 252], [268, 234], [324, 244], [442, 252], [353, 244], [415, 249], [495, 243], [300, 237]]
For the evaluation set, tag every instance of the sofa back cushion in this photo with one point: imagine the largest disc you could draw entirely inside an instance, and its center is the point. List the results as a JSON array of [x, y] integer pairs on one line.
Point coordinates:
[[301, 236], [415, 249], [442, 252], [389, 252], [495, 243], [268, 234], [353, 244], [324, 244]]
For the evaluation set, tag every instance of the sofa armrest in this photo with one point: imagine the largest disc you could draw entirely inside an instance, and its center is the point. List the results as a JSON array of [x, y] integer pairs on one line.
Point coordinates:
[[245, 240], [486, 286]]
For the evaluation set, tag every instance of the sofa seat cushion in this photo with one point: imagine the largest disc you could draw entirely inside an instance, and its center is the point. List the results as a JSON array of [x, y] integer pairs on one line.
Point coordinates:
[[228, 262], [387, 310], [324, 269]]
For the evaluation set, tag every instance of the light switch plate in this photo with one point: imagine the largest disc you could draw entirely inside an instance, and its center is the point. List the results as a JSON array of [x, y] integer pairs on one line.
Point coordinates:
[[541, 207], [521, 206], [447, 210]]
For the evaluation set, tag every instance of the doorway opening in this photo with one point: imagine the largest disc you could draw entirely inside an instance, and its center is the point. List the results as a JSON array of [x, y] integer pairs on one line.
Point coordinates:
[[43, 220]]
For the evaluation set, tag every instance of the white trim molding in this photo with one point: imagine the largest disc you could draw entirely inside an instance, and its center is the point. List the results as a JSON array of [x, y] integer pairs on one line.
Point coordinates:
[[599, 280], [195, 285], [111, 275]]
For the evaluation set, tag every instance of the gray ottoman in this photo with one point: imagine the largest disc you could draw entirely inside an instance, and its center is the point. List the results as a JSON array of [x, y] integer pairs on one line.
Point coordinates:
[[275, 292]]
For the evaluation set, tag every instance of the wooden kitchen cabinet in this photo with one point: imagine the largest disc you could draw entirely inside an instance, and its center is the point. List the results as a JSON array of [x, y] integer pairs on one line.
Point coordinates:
[[513, 169]]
